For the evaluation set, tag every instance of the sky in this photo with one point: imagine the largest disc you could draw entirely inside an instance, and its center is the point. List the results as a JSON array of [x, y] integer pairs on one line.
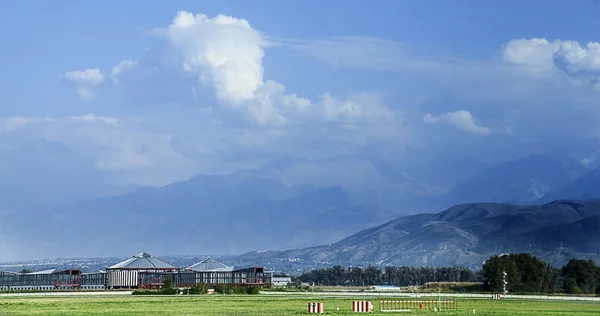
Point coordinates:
[[138, 92]]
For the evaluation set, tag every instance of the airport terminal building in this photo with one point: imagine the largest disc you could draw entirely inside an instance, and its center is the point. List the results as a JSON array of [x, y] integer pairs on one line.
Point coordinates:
[[139, 271]]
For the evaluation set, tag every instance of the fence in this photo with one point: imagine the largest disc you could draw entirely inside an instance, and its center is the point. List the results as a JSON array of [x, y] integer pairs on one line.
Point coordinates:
[[408, 305]]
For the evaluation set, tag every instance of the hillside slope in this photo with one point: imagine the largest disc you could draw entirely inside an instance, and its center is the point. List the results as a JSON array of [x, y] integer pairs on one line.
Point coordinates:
[[461, 235]]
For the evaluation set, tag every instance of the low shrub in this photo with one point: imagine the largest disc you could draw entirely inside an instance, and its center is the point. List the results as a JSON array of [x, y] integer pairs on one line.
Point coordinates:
[[145, 292], [197, 290]]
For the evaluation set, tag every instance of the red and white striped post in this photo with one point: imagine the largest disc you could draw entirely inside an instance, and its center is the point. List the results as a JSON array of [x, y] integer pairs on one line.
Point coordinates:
[[362, 306], [316, 308]]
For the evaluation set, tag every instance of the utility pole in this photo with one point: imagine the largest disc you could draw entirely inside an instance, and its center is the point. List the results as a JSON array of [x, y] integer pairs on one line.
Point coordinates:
[[504, 282]]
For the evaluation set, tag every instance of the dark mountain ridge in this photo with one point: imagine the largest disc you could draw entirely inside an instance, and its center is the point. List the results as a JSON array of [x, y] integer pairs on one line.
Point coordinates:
[[462, 235]]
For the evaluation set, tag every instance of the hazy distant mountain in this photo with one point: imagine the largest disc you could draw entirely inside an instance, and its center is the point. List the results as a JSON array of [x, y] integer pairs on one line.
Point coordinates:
[[286, 204], [462, 235], [443, 173], [367, 179], [592, 161], [524, 180], [587, 186]]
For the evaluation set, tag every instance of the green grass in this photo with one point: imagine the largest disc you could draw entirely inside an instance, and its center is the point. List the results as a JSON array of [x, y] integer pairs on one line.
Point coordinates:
[[259, 305]]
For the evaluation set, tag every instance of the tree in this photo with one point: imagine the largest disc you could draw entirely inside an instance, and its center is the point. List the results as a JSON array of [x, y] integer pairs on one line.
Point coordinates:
[[26, 271], [525, 274], [581, 277], [198, 289], [168, 288], [168, 284], [400, 276]]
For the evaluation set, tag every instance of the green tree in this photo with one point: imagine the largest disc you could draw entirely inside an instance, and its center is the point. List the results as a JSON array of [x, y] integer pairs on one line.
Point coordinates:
[[198, 289], [168, 284], [525, 274], [168, 288], [581, 277]]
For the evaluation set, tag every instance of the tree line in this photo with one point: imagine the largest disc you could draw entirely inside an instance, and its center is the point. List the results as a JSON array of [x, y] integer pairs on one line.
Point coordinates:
[[525, 273], [528, 274], [400, 276]]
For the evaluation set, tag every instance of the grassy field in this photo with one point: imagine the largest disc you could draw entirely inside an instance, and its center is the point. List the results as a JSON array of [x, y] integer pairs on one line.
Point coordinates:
[[258, 305]]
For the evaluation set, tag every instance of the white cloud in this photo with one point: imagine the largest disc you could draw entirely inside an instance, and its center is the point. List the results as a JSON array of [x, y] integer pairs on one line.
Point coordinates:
[[578, 59], [92, 118], [86, 77], [568, 56], [121, 68], [461, 119], [223, 50], [359, 107], [226, 52], [535, 52], [84, 80]]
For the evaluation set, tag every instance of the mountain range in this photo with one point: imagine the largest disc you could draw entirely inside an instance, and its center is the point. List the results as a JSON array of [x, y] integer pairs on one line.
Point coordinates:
[[462, 235], [296, 203]]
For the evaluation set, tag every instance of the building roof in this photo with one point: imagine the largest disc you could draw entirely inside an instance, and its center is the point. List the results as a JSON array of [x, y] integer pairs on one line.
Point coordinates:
[[281, 279], [210, 265], [49, 271], [7, 272], [143, 261]]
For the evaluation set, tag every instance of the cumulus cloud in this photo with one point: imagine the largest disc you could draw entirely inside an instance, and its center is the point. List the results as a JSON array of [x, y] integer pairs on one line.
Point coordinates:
[[460, 119], [89, 77], [569, 56], [84, 80], [535, 52], [226, 53], [578, 59]]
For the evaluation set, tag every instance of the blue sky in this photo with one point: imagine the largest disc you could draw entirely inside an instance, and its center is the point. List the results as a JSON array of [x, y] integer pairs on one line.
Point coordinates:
[[134, 96]]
